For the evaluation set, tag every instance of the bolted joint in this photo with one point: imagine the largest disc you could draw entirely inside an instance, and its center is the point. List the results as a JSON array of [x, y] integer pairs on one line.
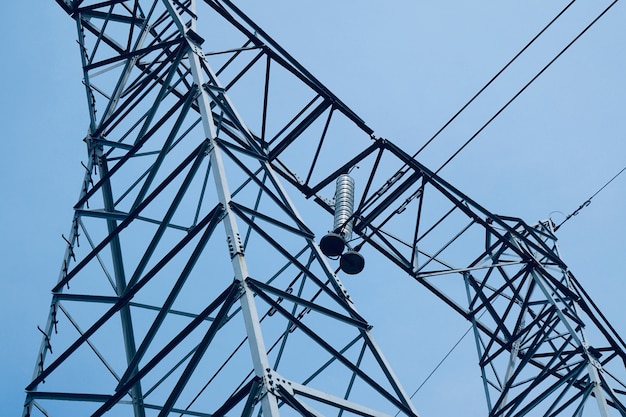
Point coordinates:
[[274, 383]]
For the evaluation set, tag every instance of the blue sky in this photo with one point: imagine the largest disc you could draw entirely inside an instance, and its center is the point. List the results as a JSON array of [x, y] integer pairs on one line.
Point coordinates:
[[405, 67]]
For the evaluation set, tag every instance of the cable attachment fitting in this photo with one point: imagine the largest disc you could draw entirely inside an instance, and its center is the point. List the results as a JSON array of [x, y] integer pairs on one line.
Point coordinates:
[[46, 338], [70, 247]]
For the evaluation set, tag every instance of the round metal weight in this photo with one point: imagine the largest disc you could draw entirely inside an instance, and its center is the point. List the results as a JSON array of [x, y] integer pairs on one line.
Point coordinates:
[[332, 245], [352, 262]]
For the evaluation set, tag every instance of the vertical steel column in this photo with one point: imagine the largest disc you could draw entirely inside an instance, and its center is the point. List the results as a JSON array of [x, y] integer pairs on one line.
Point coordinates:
[[248, 305]]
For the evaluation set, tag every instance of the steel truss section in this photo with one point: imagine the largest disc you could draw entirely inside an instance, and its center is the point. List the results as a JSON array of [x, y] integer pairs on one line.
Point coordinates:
[[192, 285]]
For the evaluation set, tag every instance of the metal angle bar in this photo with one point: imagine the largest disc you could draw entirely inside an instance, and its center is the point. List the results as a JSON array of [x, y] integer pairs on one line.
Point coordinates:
[[562, 395], [150, 77], [227, 146], [68, 396], [84, 298], [607, 359], [135, 12], [167, 374], [176, 410], [386, 369], [96, 31], [216, 373], [489, 356], [199, 353], [283, 58], [98, 257], [205, 182], [252, 400], [251, 390], [165, 147], [294, 403], [135, 93], [95, 350], [545, 372], [236, 52], [455, 196], [372, 174], [261, 289], [388, 201], [266, 91], [341, 403], [615, 378], [341, 358], [110, 144], [131, 20], [545, 393], [548, 325], [353, 376], [437, 223], [185, 8], [257, 203], [80, 24], [96, 6], [220, 100], [429, 274], [294, 261], [418, 216], [222, 298], [450, 242], [106, 18], [286, 265], [285, 335], [180, 194], [492, 312], [561, 290], [612, 335], [142, 176], [389, 250], [238, 262], [180, 53], [115, 308], [120, 215], [307, 234], [319, 146], [235, 130], [244, 70], [331, 360], [549, 294], [215, 217], [136, 147], [172, 312], [287, 203], [368, 201], [504, 276], [297, 131], [513, 300], [578, 412], [198, 151], [614, 402], [128, 334], [345, 168]]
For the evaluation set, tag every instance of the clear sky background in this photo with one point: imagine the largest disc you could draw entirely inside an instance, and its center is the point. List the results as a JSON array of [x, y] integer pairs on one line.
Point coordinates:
[[405, 67]]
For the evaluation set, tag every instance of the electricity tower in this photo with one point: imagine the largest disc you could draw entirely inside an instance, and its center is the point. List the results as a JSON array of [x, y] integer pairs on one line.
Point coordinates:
[[191, 284]]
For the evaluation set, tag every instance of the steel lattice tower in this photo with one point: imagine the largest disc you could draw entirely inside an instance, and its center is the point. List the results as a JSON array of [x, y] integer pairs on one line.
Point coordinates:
[[191, 285]]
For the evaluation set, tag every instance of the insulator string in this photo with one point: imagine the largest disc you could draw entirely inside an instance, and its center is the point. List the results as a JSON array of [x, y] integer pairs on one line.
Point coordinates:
[[588, 201]]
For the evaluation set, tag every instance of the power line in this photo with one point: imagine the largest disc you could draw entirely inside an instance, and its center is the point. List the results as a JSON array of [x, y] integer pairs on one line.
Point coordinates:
[[588, 201], [527, 85], [508, 64], [443, 360]]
